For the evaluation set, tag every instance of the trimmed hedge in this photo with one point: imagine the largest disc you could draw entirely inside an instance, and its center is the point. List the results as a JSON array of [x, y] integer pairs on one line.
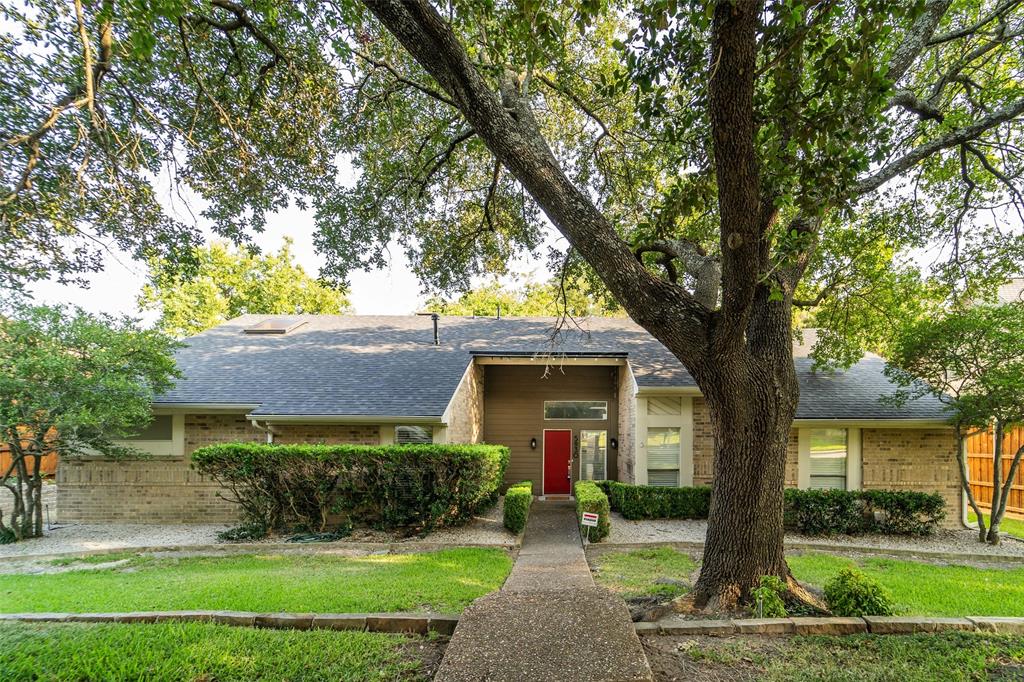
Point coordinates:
[[810, 512], [312, 487], [636, 502], [518, 499], [854, 512], [590, 498]]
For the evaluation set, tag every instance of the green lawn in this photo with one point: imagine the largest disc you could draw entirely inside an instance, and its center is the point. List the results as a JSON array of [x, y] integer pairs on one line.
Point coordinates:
[[927, 589], [199, 651], [1014, 527], [918, 588], [445, 581], [860, 658], [637, 573]]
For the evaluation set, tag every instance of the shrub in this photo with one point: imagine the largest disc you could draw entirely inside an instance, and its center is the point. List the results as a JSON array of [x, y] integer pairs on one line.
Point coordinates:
[[852, 512], [768, 597], [654, 502], [412, 487], [852, 593], [904, 512], [518, 499], [590, 498]]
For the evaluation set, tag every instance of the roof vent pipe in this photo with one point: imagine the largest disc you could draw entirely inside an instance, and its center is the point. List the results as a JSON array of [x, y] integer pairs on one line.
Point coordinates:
[[437, 339]]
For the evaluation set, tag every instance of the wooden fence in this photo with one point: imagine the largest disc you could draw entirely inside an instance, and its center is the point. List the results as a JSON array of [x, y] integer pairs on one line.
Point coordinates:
[[48, 464], [979, 466]]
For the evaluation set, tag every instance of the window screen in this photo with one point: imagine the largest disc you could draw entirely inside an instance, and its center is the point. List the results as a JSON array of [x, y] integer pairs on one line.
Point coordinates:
[[662, 456], [828, 459], [576, 409], [411, 435], [158, 429], [593, 455]]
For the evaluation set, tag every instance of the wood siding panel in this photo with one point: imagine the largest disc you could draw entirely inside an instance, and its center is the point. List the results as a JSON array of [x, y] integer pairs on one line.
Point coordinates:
[[514, 398]]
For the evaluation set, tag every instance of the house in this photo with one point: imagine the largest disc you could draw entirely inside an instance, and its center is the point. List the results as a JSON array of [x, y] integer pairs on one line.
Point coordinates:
[[606, 401]]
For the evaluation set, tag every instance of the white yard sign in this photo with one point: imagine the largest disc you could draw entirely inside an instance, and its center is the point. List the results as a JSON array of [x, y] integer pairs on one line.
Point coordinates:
[[589, 519]]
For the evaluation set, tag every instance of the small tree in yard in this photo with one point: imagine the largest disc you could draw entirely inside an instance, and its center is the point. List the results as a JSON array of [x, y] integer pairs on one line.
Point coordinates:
[[70, 383], [972, 359]]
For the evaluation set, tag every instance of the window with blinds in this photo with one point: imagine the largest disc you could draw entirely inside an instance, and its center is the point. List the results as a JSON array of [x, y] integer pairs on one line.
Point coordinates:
[[829, 452], [664, 407], [663, 456], [593, 455], [414, 435]]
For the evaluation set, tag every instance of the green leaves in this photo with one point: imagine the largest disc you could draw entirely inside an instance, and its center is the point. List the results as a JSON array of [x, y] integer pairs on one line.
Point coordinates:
[[228, 283], [72, 383]]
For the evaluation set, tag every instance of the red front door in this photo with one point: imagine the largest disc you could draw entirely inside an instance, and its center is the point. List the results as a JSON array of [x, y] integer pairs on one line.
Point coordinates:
[[557, 453]]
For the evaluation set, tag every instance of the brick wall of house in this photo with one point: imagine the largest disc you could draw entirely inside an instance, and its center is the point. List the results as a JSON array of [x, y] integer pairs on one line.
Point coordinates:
[[166, 490], [703, 444], [891, 459], [913, 459], [466, 419]]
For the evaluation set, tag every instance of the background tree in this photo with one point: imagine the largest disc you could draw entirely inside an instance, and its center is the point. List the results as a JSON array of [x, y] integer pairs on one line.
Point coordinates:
[[70, 383], [972, 359], [229, 282], [552, 298], [713, 165]]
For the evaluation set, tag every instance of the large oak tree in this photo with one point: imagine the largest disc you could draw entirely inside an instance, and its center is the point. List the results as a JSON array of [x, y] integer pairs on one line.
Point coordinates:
[[713, 165]]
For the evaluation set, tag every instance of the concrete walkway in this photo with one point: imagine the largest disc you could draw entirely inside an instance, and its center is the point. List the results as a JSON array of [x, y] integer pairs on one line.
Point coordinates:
[[549, 621]]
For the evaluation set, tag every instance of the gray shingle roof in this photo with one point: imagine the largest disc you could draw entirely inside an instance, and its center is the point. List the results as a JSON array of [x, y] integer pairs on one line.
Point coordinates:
[[388, 366]]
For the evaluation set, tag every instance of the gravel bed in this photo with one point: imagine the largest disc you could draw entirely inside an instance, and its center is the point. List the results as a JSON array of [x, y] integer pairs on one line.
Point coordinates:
[[963, 541], [484, 529]]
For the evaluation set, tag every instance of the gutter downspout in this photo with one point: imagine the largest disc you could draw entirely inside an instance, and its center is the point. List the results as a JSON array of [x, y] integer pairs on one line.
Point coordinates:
[[265, 428]]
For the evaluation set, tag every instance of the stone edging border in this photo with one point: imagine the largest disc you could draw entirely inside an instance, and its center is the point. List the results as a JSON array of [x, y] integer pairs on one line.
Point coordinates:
[[876, 625], [257, 547], [826, 547], [410, 623]]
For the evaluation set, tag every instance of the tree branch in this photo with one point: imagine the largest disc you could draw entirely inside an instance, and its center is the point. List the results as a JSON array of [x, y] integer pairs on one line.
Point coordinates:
[[506, 126], [950, 139], [917, 38], [996, 13], [402, 79]]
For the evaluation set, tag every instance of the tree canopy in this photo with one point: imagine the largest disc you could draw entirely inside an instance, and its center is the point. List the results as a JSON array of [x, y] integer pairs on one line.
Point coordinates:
[[532, 299], [71, 383], [972, 359], [230, 282]]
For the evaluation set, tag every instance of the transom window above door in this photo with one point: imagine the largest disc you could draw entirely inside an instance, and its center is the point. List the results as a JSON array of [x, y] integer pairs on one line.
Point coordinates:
[[592, 410]]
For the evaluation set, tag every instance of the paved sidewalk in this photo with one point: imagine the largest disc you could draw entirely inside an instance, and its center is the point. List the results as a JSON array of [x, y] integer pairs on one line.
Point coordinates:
[[549, 621]]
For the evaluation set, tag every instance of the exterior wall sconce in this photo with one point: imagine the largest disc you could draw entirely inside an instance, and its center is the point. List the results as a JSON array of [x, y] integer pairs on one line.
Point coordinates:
[[533, 443], [614, 442]]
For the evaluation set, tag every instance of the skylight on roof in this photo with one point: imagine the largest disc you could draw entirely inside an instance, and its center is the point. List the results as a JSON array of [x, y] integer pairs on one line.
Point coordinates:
[[275, 325]]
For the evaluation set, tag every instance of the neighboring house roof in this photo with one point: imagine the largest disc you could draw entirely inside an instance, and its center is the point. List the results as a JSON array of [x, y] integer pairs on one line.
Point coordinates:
[[377, 366]]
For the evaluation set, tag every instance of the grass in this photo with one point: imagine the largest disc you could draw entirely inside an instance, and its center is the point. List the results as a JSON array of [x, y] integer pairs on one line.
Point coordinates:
[[198, 651], [923, 589], [637, 573], [1014, 527], [445, 581], [947, 656], [918, 588]]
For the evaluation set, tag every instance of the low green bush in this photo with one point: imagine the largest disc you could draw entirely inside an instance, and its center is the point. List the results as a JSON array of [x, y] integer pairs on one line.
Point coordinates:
[[590, 498], [767, 597], [313, 487], [636, 502], [851, 593], [854, 512], [518, 499]]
